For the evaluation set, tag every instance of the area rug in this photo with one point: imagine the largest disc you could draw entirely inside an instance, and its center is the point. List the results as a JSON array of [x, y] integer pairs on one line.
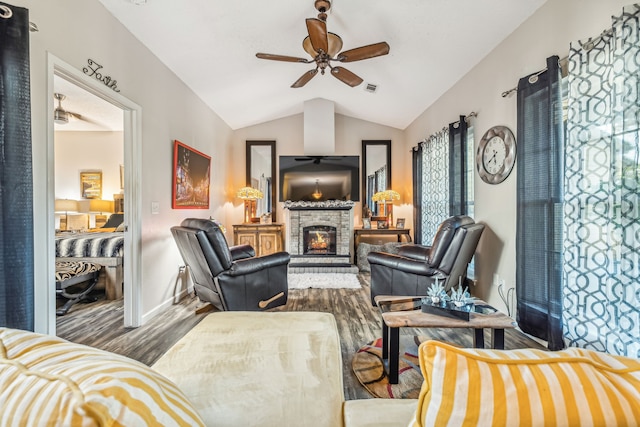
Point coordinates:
[[369, 369], [323, 280]]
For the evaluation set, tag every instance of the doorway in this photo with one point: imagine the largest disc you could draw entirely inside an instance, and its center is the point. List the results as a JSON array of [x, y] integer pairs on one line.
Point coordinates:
[[63, 75]]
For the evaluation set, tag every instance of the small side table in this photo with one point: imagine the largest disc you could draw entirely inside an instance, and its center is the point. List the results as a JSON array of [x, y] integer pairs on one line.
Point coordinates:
[[406, 312]]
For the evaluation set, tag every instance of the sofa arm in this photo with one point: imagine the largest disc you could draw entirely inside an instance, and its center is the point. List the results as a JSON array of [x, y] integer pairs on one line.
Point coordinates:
[[379, 412], [241, 252], [397, 262], [252, 265], [418, 252]]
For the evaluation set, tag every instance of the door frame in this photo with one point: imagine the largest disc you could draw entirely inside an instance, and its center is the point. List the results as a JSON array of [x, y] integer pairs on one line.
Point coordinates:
[[132, 135]]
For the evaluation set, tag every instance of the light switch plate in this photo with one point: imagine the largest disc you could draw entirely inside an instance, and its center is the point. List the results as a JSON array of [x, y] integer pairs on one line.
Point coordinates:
[[155, 208]]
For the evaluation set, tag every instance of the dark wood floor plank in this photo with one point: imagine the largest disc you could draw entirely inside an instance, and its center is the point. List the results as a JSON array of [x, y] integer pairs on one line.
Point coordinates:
[[100, 325]]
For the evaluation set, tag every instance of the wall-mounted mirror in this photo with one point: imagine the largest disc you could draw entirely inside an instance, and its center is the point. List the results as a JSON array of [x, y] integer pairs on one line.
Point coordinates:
[[376, 172], [261, 174]]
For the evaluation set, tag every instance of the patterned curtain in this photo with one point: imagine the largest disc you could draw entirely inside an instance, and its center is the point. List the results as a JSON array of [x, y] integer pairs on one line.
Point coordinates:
[[16, 177], [602, 181], [435, 183]]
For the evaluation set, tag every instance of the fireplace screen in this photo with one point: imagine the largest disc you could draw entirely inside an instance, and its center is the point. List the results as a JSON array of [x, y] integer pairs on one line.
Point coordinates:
[[319, 240]]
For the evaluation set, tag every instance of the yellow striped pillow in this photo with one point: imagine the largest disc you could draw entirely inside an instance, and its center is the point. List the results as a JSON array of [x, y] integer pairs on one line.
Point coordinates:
[[475, 387], [47, 381]]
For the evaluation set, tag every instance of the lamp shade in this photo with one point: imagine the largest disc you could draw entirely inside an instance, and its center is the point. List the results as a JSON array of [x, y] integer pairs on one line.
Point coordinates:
[[65, 205], [249, 193], [386, 196]]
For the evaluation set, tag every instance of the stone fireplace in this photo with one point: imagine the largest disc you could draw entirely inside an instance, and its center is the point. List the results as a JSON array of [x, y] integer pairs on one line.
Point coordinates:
[[319, 236]]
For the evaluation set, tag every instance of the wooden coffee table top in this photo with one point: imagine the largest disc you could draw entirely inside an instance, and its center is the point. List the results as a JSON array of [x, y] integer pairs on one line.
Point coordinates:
[[405, 315]]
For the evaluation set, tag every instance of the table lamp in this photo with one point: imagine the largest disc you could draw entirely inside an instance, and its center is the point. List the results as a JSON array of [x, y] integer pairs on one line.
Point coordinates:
[[250, 195], [386, 197], [66, 206]]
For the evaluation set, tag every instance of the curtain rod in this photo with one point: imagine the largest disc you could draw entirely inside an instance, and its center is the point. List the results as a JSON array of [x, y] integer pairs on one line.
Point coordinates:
[[588, 45], [6, 13], [445, 128]]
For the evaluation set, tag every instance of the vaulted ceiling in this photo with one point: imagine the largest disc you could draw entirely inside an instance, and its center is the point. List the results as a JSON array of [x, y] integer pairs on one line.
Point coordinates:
[[211, 46]]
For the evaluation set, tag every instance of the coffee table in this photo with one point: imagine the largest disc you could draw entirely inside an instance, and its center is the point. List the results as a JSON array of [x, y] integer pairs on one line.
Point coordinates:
[[405, 312]]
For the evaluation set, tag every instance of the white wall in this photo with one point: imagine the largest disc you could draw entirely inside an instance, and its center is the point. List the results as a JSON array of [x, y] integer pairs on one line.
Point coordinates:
[[349, 133], [74, 31], [548, 32], [81, 151]]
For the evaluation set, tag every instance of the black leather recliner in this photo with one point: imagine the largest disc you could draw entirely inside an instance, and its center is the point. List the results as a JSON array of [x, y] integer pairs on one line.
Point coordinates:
[[416, 267], [230, 278]]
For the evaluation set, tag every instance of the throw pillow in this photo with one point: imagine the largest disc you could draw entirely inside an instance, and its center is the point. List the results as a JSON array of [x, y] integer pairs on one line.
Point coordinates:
[[46, 380], [471, 387], [363, 250]]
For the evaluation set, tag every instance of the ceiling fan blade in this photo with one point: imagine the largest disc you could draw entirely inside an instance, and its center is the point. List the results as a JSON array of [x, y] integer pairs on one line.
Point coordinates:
[[346, 76], [364, 52], [281, 58], [305, 78], [318, 34]]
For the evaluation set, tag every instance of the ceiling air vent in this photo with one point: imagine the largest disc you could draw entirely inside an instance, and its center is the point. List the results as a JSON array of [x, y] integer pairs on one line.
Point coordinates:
[[370, 87]]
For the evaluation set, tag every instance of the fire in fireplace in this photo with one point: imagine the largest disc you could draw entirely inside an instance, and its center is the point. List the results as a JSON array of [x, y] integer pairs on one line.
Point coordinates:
[[319, 240]]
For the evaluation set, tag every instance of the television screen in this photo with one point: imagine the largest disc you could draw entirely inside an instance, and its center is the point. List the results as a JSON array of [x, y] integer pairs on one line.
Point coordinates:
[[309, 178]]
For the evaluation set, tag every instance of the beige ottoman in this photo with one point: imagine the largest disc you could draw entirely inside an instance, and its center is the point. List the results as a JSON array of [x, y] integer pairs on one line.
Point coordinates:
[[260, 369]]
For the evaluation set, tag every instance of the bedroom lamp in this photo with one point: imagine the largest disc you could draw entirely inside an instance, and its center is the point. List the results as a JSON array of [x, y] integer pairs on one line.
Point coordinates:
[[98, 207], [66, 206], [386, 197], [250, 195]]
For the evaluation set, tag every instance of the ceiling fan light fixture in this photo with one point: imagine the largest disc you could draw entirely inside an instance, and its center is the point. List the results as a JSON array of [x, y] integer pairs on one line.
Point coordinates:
[[317, 195], [334, 43], [60, 116]]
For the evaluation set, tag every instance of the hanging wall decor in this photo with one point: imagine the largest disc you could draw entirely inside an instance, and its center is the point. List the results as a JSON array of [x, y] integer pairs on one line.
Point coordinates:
[[191, 176]]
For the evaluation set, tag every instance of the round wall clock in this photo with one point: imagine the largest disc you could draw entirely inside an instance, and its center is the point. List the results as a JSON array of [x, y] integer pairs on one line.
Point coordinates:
[[496, 155]]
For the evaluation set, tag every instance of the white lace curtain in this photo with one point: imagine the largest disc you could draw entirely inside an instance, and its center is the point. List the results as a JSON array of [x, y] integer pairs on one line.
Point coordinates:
[[601, 202], [435, 183]]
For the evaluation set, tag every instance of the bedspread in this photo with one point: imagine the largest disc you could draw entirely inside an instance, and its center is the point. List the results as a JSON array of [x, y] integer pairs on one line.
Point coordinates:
[[93, 245]]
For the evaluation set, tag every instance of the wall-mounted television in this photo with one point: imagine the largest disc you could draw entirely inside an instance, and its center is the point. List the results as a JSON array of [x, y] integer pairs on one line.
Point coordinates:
[[336, 177]]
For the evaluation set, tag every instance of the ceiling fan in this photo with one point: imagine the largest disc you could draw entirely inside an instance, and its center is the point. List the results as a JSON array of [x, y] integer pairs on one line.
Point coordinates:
[[324, 46], [316, 159], [60, 115]]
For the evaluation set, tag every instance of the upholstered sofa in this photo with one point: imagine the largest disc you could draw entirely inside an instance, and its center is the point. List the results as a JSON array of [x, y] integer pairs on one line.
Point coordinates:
[[285, 369]]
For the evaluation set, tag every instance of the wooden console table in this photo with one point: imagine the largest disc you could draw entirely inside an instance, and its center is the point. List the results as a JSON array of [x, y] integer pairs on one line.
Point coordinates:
[[358, 232], [265, 238]]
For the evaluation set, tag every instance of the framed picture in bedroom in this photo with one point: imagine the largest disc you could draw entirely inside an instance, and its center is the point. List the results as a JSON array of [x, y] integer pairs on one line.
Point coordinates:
[[400, 223], [366, 223], [191, 178], [91, 184], [382, 225]]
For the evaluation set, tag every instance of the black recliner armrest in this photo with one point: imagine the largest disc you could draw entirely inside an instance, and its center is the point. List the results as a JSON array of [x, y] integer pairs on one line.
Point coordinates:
[[397, 262], [253, 265], [418, 252], [242, 252]]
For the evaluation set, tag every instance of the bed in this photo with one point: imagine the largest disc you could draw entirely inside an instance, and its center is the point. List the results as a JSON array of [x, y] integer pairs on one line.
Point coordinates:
[[104, 248]]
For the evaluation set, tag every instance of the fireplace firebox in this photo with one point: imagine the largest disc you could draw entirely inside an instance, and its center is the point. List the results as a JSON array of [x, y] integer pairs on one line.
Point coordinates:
[[319, 240]]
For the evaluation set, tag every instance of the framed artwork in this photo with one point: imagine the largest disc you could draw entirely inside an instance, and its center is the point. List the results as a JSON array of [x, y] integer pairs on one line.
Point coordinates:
[[366, 223], [91, 185], [382, 225], [191, 177], [400, 223], [122, 177]]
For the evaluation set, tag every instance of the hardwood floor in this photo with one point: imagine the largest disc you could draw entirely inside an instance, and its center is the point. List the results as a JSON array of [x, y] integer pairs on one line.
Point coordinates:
[[99, 325]]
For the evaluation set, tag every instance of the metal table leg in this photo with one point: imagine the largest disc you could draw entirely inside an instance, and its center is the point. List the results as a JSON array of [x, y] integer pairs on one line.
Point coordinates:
[[394, 354], [478, 338], [497, 339]]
